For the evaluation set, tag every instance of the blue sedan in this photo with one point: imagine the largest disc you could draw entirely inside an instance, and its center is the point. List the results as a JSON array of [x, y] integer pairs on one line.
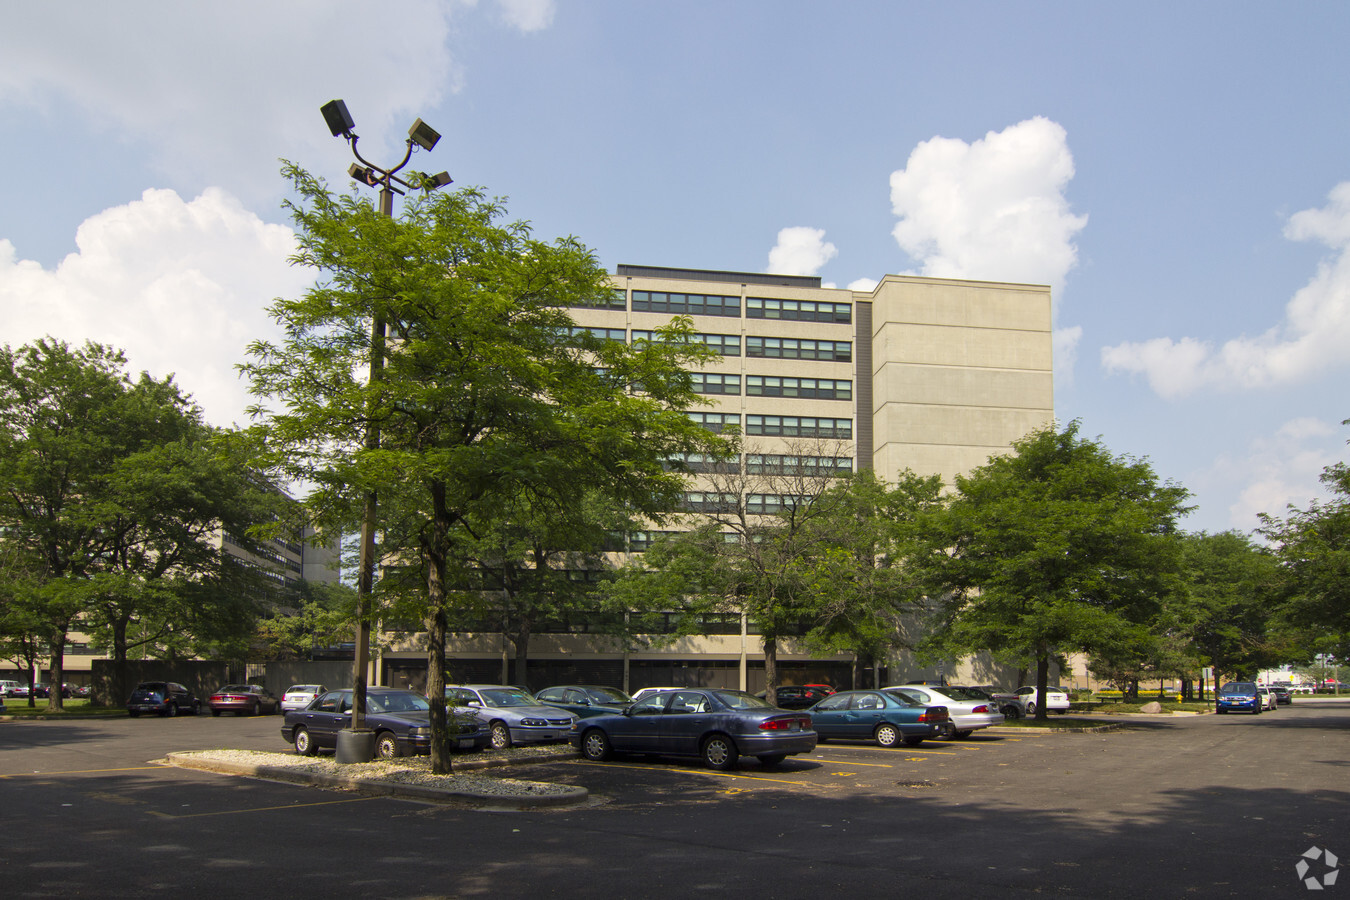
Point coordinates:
[[717, 725], [883, 717]]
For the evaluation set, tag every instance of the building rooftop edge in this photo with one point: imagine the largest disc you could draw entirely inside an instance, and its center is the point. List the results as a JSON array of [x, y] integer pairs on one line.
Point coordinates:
[[719, 276]]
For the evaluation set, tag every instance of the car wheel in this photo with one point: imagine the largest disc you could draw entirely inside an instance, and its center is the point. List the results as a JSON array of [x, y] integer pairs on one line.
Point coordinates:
[[771, 760], [501, 736], [196, 707], [913, 741], [1031, 708], [595, 746], [256, 709], [386, 746], [214, 711], [946, 732], [887, 735], [171, 710], [719, 752], [1222, 712], [1011, 711], [304, 744], [962, 735], [133, 713]]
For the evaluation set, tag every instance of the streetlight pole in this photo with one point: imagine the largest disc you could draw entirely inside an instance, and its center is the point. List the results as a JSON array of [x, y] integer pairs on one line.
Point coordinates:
[[357, 744]]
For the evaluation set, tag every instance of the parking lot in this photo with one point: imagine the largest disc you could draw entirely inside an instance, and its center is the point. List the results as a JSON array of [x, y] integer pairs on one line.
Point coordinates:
[[1203, 806]]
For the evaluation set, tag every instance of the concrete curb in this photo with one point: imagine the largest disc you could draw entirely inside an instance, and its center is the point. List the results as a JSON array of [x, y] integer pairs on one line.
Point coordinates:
[[571, 797], [1083, 729]]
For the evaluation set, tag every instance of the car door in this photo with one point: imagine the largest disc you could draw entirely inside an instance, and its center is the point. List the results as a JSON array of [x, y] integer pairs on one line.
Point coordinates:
[[829, 717], [638, 730], [864, 713], [689, 715], [327, 717]]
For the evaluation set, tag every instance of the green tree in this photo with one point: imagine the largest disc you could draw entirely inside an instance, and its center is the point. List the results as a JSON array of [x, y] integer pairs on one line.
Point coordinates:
[[487, 393], [1057, 547], [116, 491]]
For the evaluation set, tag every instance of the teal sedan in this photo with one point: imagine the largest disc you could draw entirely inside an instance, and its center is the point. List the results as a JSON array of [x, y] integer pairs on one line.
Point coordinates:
[[880, 716]]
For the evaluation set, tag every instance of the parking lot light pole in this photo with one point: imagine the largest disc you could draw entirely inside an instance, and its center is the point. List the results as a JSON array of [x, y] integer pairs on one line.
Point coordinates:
[[359, 743]]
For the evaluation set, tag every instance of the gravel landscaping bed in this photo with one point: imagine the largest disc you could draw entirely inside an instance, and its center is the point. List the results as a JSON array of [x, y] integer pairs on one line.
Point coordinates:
[[471, 774]]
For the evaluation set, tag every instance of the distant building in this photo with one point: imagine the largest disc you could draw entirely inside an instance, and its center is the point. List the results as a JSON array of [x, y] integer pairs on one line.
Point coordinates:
[[929, 374]]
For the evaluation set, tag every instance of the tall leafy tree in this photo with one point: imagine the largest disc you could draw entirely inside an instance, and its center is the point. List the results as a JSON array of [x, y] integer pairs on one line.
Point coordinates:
[[1056, 547], [488, 392], [117, 493]]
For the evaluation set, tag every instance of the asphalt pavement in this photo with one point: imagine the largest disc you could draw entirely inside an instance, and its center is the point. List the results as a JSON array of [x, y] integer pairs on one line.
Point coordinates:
[[1204, 806]]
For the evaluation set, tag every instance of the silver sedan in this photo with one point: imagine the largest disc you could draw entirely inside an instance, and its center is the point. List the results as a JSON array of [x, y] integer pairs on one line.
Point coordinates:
[[512, 715], [968, 712]]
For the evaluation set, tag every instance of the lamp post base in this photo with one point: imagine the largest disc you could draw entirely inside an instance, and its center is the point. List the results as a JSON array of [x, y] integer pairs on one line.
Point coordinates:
[[355, 746]]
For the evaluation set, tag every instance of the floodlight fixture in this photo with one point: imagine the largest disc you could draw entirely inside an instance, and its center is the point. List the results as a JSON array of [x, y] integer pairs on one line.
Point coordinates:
[[363, 174], [425, 136], [338, 119], [438, 180]]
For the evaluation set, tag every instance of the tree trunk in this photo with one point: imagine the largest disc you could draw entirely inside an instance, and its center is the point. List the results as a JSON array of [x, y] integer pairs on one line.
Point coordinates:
[[521, 642], [435, 549], [771, 669], [58, 674], [1042, 682]]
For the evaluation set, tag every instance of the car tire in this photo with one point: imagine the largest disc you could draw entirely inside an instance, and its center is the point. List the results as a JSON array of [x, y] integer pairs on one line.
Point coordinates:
[[1031, 708], [771, 760], [887, 735], [501, 735], [1222, 712], [133, 713], [171, 710], [386, 746], [214, 711], [196, 707], [304, 744], [595, 746], [913, 741], [1011, 711], [719, 752], [962, 735], [946, 732]]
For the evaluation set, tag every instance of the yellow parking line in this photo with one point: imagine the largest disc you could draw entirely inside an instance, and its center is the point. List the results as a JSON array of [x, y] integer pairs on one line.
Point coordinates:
[[852, 763], [232, 812], [79, 772], [581, 762]]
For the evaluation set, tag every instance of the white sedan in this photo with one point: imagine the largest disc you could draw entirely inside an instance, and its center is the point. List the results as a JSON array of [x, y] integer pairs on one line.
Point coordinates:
[[1268, 698], [298, 696], [1056, 701]]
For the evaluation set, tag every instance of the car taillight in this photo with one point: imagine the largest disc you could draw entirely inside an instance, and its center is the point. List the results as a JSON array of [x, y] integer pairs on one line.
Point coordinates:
[[934, 714], [787, 723], [980, 709]]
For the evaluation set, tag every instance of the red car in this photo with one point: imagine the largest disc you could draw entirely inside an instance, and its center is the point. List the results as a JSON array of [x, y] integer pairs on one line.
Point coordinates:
[[243, 700]]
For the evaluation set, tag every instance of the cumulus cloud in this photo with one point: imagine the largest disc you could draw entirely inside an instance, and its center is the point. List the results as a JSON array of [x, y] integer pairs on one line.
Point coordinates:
[[866, 285], [800, 251], [1274, 472], [993, 209], [223, 89], [1310, 340], [1065, 343], [181, 286]]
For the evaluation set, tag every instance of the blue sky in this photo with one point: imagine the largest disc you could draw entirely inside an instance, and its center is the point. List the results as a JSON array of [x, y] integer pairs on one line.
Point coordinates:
[[1177, 172]]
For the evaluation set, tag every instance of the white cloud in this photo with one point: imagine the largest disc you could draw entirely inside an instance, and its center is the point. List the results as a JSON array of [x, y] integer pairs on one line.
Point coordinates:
[[993, 209], [218, 91], [800, 251], [866, 285], [1272, 472], [528, 15], [1310, 341], [1065, 343], [180, 286]]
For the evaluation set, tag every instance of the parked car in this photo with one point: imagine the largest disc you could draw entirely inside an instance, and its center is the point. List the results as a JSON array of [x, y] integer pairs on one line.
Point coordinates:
[[1301, 688], [967, 712], [643, 692], [585, 700], [797, 696], [298, 696], [400, 719], [1239, 695], [827, 688], [1283, 696], [243, 699], [717, 725], [880, 716], [8, 688], [1268, 700], [1024, 700], [165, 698], [512, 715]]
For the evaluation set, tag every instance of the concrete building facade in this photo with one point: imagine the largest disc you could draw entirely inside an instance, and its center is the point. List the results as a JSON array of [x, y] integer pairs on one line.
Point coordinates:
[[928, 374]]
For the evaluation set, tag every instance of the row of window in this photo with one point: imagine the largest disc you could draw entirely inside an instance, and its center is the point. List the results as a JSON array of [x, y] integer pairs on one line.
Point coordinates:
[[773, 386], [778, 426], [766, 464], [755, 504], [713, 305]]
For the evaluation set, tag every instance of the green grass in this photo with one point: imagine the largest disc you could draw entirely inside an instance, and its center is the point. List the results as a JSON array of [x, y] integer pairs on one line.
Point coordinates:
[[1116, 706], [81, 708]]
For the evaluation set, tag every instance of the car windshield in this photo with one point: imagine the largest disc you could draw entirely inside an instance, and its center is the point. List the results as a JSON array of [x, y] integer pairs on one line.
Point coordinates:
[[505, 698], [303, 689], [742, 700], [607, 695], [392, 703], [960, 693], [1238, 688], [236, 689], [152, 686]]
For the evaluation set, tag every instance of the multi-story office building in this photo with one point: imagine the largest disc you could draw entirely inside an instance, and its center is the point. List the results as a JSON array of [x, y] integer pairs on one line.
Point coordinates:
[[928, 374]]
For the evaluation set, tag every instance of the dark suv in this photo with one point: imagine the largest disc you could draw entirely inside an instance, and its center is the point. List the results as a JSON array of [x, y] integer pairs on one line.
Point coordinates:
[[1283, 696], [165, 698]]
